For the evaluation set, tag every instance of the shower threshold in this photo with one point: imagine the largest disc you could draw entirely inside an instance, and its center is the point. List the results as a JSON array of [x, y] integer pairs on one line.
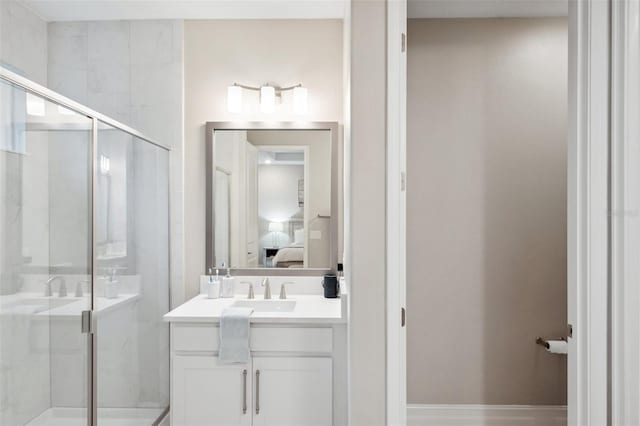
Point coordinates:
[[58, 416]]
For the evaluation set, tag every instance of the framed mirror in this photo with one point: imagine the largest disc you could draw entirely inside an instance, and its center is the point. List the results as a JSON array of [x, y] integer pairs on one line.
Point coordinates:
[[272, 194]]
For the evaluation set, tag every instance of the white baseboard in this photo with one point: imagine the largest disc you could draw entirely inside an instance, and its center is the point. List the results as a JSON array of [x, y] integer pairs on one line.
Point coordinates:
[[486, 415]]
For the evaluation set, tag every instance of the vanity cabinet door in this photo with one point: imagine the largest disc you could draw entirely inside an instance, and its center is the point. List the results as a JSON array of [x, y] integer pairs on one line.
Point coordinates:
[[292, 391], [208, 393]]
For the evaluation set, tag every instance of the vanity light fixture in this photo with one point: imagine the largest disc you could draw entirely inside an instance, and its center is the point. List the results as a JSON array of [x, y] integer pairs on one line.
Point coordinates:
[[268, 96], [267, 99], [234, 99]]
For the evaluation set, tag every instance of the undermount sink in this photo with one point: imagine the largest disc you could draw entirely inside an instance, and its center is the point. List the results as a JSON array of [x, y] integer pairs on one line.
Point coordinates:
[[276, 305]]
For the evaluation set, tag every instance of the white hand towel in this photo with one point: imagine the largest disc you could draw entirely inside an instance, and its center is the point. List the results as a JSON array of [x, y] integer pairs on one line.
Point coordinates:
[[234, 335]]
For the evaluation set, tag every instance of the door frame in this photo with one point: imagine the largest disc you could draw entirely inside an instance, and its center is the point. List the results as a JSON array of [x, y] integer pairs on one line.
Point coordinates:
[[588, 230], [587, 213], [396, 213], [625, 213]]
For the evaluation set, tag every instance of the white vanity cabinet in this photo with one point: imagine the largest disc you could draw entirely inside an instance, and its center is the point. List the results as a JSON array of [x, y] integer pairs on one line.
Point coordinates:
[[289, 380], [206, 392], [290, 391]]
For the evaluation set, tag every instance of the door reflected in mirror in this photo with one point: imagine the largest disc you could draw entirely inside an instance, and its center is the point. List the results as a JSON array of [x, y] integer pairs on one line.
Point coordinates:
[[272, 198]]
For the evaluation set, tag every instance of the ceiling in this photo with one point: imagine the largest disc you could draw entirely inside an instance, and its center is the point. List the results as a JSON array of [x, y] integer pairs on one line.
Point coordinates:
[[486, 8], [100, 10], [90, 10]]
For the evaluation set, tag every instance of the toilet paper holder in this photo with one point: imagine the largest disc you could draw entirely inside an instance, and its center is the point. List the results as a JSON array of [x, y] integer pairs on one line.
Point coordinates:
[[542, 342]]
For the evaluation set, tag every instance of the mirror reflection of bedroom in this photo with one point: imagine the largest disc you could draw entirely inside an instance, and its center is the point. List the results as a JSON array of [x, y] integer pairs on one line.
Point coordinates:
[[272, 194]]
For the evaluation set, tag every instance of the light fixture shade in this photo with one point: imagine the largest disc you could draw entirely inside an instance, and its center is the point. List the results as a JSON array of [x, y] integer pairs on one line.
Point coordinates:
[[267, 99], [35, 105], [105, 165], [275, 227], [234, 99], [300, 100]]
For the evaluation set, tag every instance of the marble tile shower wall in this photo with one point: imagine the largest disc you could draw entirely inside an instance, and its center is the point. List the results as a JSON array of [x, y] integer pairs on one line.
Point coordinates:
[[132, 71]]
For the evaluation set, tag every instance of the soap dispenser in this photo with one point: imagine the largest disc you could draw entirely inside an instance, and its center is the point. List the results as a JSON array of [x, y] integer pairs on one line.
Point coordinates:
[[111, 286], [228, 284], [213, 285]]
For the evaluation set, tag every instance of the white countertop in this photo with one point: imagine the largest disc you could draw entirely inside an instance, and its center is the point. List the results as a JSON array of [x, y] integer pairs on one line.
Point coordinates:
[[309, 309]]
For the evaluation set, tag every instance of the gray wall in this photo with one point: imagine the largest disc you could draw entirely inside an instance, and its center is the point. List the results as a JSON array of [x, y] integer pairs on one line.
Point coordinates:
[[487, 136], [366, 226]]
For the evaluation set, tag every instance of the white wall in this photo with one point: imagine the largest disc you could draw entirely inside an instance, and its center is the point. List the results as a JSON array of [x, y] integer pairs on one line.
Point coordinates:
[[277, 201], [278, 191], [219, 53]]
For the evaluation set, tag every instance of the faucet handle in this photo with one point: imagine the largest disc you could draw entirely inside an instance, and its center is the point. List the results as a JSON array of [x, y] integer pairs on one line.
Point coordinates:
[[283, 292], [251, 295]]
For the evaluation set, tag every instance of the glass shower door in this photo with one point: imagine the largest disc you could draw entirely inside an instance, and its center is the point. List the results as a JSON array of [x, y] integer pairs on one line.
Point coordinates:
[[132, 285], [45, 260]]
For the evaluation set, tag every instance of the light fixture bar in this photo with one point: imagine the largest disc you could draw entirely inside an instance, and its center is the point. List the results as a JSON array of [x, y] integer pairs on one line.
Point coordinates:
[[278, 89], [269, 94]]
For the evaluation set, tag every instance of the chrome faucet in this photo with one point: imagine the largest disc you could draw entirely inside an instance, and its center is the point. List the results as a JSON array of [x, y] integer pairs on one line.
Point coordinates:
[[283, 292], [62, 290], [267, 288], [250, 295]]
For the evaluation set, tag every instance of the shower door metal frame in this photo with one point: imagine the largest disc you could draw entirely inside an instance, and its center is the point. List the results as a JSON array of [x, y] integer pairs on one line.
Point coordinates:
[[96, 118]]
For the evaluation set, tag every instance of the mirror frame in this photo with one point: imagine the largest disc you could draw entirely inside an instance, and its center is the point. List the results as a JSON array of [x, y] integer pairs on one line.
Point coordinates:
[[210, 128]]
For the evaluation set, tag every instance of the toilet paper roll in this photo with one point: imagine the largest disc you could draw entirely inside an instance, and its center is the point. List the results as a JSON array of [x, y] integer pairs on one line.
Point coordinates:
[[557, 346]]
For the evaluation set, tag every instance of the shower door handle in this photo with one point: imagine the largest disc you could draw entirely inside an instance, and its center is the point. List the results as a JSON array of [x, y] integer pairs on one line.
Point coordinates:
[[86, 326]]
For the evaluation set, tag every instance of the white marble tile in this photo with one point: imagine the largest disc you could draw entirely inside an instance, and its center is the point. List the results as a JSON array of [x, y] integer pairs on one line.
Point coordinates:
[[23, 41], [68, 59], [108, 73], [152, 43], [68, 45], [70, 82], [154, 110]]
